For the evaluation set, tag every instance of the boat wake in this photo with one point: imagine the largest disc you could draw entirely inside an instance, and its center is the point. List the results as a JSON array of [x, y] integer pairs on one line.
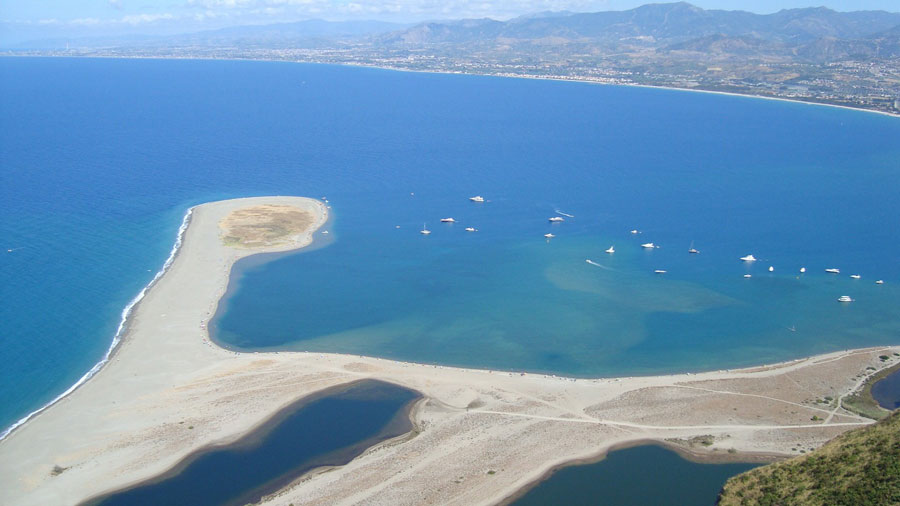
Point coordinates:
[[117, 338], [557, 211], [595, 264]]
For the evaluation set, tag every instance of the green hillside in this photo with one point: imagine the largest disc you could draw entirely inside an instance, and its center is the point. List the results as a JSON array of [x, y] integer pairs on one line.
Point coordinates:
[[860, 467]]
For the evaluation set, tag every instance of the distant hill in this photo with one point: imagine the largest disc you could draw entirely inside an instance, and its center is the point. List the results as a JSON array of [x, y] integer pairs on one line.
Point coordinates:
[[858, 468], [671, 26]]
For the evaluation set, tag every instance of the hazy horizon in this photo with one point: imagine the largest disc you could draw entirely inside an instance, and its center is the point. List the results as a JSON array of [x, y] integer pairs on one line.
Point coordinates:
[[22, 21]]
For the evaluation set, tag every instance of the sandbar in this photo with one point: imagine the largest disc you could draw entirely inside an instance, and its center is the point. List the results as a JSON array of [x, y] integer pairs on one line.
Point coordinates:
[[480, 436]]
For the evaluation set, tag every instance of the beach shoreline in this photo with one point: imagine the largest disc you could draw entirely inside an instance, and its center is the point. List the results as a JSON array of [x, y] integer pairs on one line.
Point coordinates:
[[574, 79], [127, 423]]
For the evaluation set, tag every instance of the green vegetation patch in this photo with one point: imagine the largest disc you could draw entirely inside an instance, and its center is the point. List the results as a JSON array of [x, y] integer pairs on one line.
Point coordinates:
[[862, 403], [860, 467]]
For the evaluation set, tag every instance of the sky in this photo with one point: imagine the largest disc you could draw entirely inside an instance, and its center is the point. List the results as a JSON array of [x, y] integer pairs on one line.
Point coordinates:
[[21, 19]]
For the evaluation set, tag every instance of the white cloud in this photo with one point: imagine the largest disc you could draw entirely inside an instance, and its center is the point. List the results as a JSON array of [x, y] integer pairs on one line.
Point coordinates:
[[413, 8], [138, 19]]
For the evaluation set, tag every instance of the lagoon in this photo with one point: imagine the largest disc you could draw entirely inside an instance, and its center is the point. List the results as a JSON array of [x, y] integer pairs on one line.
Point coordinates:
[[636, 476], [329, 428]]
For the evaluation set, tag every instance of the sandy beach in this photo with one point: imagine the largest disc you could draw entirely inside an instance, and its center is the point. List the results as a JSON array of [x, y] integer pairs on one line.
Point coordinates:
[[480, 436]]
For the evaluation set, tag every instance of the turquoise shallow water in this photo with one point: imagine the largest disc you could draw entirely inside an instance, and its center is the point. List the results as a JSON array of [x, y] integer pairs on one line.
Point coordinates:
[[101, 158]]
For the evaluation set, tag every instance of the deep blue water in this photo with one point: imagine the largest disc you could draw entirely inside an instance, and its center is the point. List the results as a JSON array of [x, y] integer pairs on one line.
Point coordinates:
[[329, 430], [886, 391], [101, 158], [635, 476]]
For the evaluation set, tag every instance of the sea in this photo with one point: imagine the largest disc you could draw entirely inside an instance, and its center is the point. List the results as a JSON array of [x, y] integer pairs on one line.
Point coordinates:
[[100, 159]]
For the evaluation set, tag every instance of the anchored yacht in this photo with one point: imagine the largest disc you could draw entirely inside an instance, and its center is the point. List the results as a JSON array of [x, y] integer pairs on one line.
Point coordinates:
[[448, 220], [649, 245], [556, 219], [477, 198], [845, 298], [748, 258], [611, 250], [833, 271], [424, 230]]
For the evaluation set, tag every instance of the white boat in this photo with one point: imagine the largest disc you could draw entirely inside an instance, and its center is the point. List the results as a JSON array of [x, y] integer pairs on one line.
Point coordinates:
[[556, 219], [802, 270], [611, 250], [635, 231], [549, 236], [747, 276], [470, 229], [477, 198], [448, 220], [659, 271], [771, 268], [833, 271], [845, 298], [693, 250], [648, 245], [855, 276], [879, 282], [748, 258], [424, 230]]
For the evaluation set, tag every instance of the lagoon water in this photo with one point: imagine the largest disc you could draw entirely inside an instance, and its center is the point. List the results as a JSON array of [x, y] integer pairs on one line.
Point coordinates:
[[886, 391], [635, 476], [101, 159], [329, 429]]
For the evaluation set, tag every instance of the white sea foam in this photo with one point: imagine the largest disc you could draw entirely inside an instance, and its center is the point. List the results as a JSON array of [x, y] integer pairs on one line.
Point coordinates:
[[117, 338]]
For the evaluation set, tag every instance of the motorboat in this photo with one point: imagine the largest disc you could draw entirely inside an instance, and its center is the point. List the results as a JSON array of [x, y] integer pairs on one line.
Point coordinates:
[[659, 271], [470, 229], [747, 276], [802, 270], [833, 271], [855, 276], [771, 268], [477, 198], [648, 245], [879, 282], [611, 250], [556, 219], [845, 298], [549, 236], [748, 258], [635, 231], [448, 220]]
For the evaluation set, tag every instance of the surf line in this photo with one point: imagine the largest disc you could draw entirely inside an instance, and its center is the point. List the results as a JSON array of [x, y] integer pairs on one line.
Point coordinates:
[[117, 338]]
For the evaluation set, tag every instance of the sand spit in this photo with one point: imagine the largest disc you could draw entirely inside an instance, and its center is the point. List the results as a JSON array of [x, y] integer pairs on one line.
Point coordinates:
[[480, 436]]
